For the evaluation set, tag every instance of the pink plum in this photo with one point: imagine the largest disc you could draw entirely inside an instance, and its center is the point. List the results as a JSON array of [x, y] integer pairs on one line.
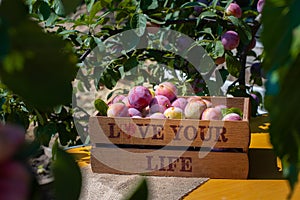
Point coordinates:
[[194, 109], [118, 98], [139, 97], [212, 114], [167, 89], [179, 103], [260, 5], [157, 116], [126, 102], [234, 10], [194, 98], [220, 107], [208, 103], [230, 40], [134, 112], [117, 110], [159, 104], [232, 117]]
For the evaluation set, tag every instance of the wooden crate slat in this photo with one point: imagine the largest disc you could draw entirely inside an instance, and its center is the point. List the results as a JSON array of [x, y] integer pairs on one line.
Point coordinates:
[[196, 133], [213, 165]]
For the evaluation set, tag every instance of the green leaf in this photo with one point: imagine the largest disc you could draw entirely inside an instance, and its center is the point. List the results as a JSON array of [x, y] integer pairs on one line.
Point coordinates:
[[193, 4], [138, 21], [233, 65], [59, 7], [141, 191], [45, 10], [45, 73], [101, 107], [295, 48], [207, 14], [67, 176], [148, 4], [89, 4], [218, 50], [66, 6], [226, 111], [224, 74], [131, 63], [243, 29], [95, 9], [44, 133]]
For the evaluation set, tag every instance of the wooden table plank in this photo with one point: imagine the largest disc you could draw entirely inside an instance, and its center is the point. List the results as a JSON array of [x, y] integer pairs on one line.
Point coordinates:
[[260, 141], [243, 189]]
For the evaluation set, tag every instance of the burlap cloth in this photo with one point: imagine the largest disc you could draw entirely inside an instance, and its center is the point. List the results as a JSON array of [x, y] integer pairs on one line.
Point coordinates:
[[116, 187]]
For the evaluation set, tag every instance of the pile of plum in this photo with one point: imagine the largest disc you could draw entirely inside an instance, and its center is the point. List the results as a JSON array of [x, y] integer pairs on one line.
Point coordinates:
[[142, 102]]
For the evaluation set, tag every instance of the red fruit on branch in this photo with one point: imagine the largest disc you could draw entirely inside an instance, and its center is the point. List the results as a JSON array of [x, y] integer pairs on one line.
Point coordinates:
[[234, 10], [230, 40]]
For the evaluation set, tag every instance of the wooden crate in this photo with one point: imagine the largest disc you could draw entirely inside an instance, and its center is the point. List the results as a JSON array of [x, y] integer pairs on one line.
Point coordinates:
[[170, 147]]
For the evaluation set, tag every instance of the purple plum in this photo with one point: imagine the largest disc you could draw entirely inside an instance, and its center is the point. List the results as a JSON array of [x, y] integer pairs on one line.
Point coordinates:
[[234, 10], [159, 104], [139, 97], [260, 5], [134, 112], [230, 40], [179, 103]]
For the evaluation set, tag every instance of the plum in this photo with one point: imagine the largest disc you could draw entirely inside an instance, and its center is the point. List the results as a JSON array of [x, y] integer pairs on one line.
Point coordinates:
[[179, 103], [255, 69], [194, 98], [118, 98], [145, 111], [157, 116], [168, 90], [174, 113], [212, 114], [136, 116], [260, 5], [255, 98], [139, 97], [159, 104], [194, 109], [230, 40], [126, 102], [252, 44], [232, 117], [198, 9], [134, 112], [220, 60], [208, 103], [117, 110], [220, 107], [234, 10]]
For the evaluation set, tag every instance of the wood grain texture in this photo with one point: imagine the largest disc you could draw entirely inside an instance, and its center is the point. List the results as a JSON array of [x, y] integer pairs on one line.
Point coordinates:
[[195, 133], [213, 165], [243, 189], [164, 147]]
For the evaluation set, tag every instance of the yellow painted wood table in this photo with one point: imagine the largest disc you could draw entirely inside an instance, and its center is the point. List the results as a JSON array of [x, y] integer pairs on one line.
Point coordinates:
[[272, 188]]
